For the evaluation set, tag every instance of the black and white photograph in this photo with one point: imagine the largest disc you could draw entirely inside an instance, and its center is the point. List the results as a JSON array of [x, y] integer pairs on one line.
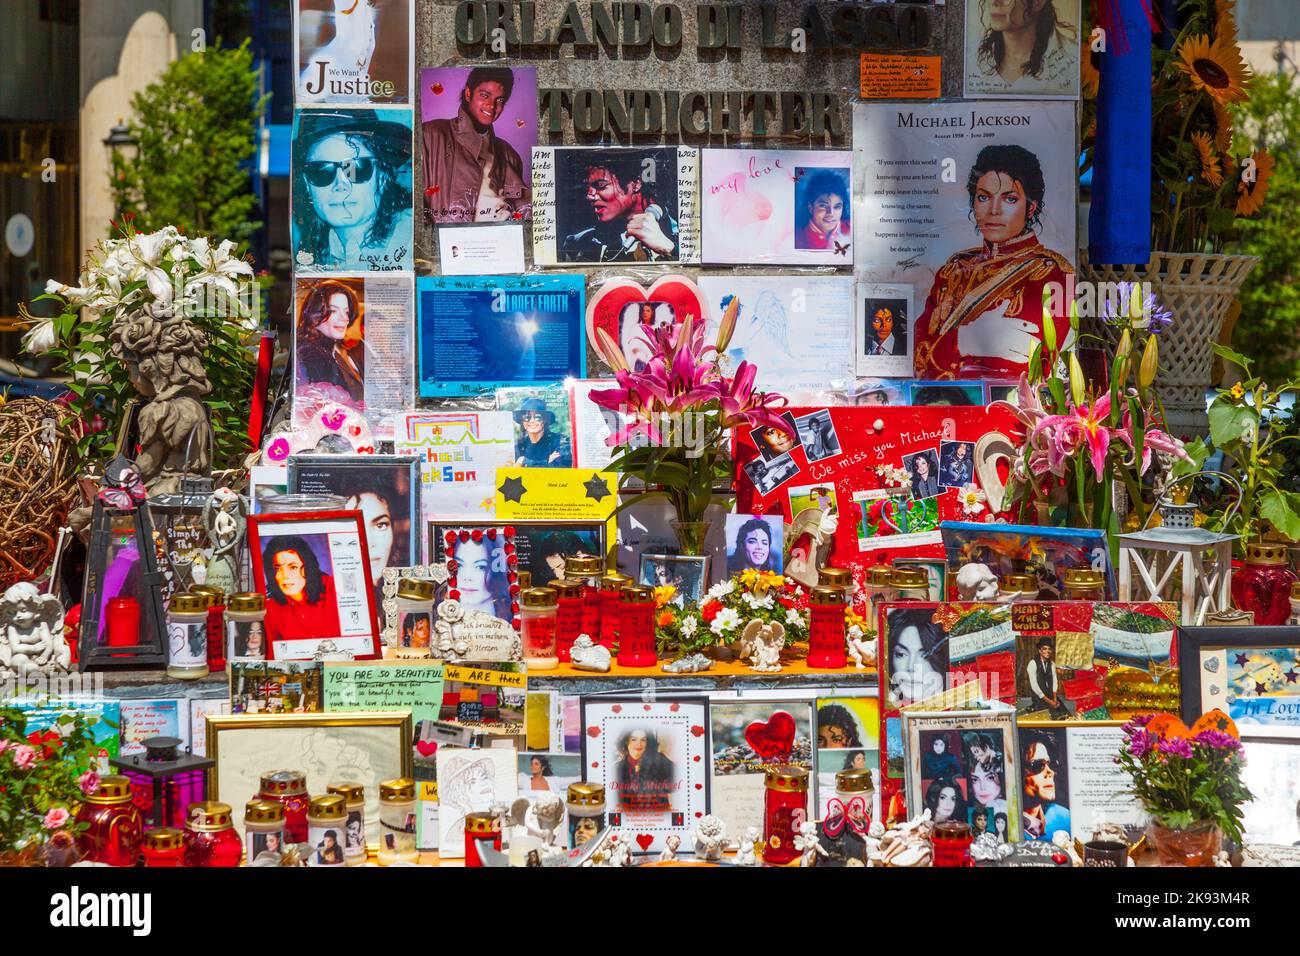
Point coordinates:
[[922, 469], [767, 476], [689, 574], [817, 435], [774, 442], [354, 51], [956, 463]]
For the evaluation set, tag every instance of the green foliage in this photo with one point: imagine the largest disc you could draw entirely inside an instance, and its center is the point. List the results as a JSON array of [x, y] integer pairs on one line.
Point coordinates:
[[40, 772], [195, 126], [1270, 298]]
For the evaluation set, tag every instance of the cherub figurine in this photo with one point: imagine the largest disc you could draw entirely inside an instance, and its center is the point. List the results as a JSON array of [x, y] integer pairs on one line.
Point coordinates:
[[746, 855], [765, 638], [862, 648], [669, 852], [975, 582], [540, 817], [710, 838], [31, 632], [808, 843]]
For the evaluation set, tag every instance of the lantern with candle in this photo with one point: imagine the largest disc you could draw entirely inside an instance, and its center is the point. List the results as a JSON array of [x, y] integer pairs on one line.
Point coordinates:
[[165, 780]]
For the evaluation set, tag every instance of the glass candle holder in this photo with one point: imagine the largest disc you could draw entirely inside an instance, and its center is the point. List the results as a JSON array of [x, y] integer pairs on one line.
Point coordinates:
[[568, 615], [123, 623], [950, 844], [164, 848], [1018, 587], [1083, 584], [481, 829], [327, 818], [397, 822], [854, 789], [537, 610], [216, 599], [210, 836], [841, 578], [586, 812], [785, 806], [1263, 583], [114, 824], [187, 636], [611, 596], [587, 571], [636, 629], [879, 586], [289, 789], [909, 584], [246, 626], [826, 628], [415, 612], [354, 838], [263, 829]]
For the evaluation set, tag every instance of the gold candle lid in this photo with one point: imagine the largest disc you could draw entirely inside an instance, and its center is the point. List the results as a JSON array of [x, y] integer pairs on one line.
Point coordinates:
[[1083, 579], [909, 578], [398, 789], [1295, 590], [525, 580], [638, 592], [113, 788], [835, 577], [263, 811], [215, 595], [187, 602], [787, 778], [283, 782], [480, 821], [538, 597], [246, 601], [881, 576], [854, 781], [329, 806], [583, 566], [614, 581], [416, 589], [353, 793], [164, 838], [566, 589], [209, 815], [587, 794], [826, 595], [1021, 583], [1265, 552]]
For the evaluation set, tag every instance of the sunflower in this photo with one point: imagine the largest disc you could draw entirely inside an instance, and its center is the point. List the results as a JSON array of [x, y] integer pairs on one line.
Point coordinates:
[[1223, 125], [1216, 68], [1090, 72], [1225, 26], [1250, 198], [1211, 171]]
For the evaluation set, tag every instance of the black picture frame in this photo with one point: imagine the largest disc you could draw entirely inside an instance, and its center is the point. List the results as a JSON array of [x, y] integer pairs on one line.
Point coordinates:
[[1191, 640]]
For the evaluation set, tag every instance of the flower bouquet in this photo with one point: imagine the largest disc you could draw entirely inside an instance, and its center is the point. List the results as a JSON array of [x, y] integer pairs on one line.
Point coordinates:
[[728, 606], [675, 413]]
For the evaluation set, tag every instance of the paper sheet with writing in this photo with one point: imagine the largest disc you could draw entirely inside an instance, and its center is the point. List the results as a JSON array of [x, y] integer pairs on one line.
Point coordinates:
[[385, 685], [1097, 785], [389, 384]]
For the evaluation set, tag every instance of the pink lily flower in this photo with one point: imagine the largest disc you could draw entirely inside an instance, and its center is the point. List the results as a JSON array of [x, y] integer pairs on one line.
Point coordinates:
[[1082, 427], [1153, 440]]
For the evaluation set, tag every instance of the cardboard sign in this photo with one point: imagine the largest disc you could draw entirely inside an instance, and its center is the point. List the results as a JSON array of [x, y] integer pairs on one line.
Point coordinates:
[[892, 77], [385, 685]]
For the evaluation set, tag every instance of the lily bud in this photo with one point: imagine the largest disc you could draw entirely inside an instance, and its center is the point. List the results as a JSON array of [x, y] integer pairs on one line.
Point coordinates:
[[1150, 363], [1125, 345], [1076, 381], [728, 327], [610, 352], [1049, 330]]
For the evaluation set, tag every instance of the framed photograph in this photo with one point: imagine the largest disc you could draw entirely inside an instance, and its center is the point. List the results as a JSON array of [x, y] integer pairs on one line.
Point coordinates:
[[314, 569], [615, 204], [368, 748], [384, 488], [469, 781], [654, 762], [754, 542], [353, 53], [541, 546], [335, 319], [962, 765], [470, 118], [1273, 775], [776, 207], [645, 527], [689, 574], [275, 687], [883, 330], [1069, 780], [1051, 70], [364, 154], [394, 631], [1250, 673], [847, 738]]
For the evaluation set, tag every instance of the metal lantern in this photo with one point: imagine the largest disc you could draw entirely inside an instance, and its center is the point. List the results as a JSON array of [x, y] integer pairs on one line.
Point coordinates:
[[122, 622], [165, 780], [1179, 558]]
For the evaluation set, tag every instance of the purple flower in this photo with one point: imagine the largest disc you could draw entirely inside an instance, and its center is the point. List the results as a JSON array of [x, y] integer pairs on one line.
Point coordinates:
[[1175, 747], [1136, 305], [1139, 744], [1218, 740]]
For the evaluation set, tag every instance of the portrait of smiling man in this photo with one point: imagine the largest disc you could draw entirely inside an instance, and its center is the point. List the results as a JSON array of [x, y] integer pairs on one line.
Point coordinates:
[[621, 205]]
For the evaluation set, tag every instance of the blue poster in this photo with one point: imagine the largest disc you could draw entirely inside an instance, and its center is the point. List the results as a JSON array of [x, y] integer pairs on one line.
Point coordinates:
[[480, 333]]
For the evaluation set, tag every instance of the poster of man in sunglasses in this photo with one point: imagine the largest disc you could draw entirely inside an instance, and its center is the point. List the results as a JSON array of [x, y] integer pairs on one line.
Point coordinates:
[[351, 191], [617, 205]]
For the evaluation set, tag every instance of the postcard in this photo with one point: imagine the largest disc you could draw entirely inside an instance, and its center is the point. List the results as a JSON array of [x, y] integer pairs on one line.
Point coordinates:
[[474, 251], [882, 329], [142, 719], [1050, 70], [353, 52]]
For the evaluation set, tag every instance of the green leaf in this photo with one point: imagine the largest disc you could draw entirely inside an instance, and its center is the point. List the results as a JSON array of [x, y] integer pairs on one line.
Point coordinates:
[[1228, 355], [1278, 511], [1230, 422]]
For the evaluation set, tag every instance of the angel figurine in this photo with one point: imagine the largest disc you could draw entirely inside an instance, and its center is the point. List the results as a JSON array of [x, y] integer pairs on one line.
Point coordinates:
[[31, 632], [540, 817], [808, 543], [862, 648], [765, 640], [225, 517], [808, 844], [747, 855]]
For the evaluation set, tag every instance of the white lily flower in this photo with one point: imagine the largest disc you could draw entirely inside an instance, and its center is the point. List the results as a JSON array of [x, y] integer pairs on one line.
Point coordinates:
[[41, 337]]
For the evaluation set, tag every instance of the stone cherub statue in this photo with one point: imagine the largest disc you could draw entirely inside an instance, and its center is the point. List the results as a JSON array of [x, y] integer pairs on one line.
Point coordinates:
[[710, 838], [763, 641], [975, 582], [163, 351], [31, 632]]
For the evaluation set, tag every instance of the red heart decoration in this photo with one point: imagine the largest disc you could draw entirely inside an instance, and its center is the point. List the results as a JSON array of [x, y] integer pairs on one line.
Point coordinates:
[[698, 814], [697, 730], [617, 708], [593, 731], [645, 706], [436, 89], [605, 309], [595, 764], [696, 758], [699, 786], [674, 707], [427, 748], [643, 840], [772, 739]]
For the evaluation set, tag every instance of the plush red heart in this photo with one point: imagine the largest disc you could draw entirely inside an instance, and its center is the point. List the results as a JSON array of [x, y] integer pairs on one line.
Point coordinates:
[[696, 758], [697, 730], [593, 732], [427, 748], [605, 309], [643, 840], [772, 739], [674, 707]]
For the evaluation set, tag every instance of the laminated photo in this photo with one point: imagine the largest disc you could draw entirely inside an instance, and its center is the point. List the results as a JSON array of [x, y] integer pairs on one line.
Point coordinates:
[[351, 341], [754, 543], [778, 207], [488, 332], [972, 204], [1023, 48], [791, 328], [882, 328], [353, 51], [543, 434], [615, 204], [350, 190], [477, 128]]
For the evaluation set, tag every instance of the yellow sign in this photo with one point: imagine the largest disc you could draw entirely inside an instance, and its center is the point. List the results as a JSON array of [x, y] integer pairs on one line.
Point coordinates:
[[483, 675], [428, 790]]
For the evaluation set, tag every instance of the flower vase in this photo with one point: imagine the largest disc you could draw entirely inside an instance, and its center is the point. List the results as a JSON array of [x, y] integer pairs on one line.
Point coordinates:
[[1196, 845], [691, 535]]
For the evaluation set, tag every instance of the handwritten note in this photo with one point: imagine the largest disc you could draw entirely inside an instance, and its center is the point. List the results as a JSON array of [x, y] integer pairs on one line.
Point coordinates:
[[483, 675], [386, 685], [893, 77], [545, 230]]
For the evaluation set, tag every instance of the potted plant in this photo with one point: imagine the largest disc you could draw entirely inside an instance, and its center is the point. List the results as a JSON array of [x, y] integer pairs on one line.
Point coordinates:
[[1189, 782]]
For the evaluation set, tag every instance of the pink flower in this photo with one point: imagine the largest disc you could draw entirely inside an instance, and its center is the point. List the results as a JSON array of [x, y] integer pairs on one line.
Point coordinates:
[[89, 782], [1066, 434], [24, 757], [4, 745], [56, 818], [1153, 439]]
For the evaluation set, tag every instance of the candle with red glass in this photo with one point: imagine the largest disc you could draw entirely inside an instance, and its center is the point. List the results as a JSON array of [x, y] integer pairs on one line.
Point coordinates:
[[1263, 584], [216, 599], [165, 780], [113, 824], [210, 836], [611, 596], [950, 843], [481, 829], [289, 789], [586, 570], [636, 628], [826, 628], [568, 615], [507, 535], [785, 806], [123, 622], [164, 847]]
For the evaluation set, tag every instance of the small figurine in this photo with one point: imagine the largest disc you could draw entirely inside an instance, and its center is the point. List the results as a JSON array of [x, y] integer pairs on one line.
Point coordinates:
[[1065, 843], [710, 838], [809, 540], [975, 582], [224, 518], [669, 852], [587, 655], [327, 650], [808, 843], [620, 851], [691, 664], [450, 646], [766, 638], [747, 854], [541, 817], [31, 632], [862, 648]]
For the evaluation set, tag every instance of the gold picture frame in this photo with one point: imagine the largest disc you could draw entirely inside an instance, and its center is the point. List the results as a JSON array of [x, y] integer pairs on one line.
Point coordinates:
[[365, 748]]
